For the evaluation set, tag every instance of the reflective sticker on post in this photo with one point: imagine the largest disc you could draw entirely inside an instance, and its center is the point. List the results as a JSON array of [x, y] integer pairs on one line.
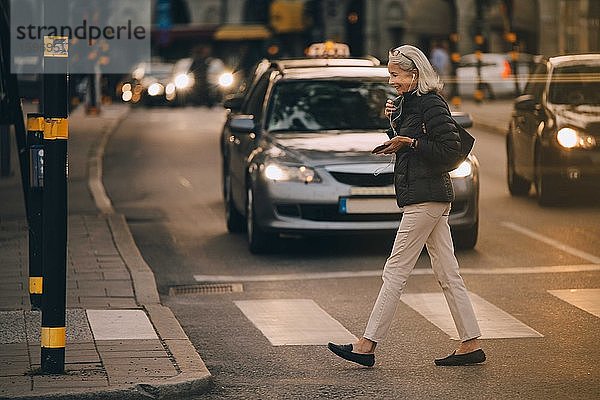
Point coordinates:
[[54, 338], [56, 46], [56, 128], [36, 284], [35, 124]]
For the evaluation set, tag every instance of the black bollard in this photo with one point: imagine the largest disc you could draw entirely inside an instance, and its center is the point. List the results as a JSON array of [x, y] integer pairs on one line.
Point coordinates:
[[54, 250]]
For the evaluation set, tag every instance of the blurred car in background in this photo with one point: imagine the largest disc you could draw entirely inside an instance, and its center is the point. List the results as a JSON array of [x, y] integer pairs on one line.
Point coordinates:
[[188, 90], [296, 150], [496, 74], [149, 84], [553, 137], [183, 79]]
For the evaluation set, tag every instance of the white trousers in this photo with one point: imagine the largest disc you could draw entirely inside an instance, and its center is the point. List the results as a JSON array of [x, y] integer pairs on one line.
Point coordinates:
[[423, 224]]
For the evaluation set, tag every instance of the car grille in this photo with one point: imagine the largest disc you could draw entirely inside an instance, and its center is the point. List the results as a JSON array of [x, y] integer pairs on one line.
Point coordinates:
[[328, 212], [383, 179]]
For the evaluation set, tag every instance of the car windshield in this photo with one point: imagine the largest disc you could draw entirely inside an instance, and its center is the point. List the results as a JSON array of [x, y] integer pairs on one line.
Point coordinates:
[[576, 85], [329, 105]]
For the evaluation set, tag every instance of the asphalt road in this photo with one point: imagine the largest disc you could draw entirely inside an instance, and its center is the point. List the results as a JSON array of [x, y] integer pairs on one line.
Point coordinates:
[[162, 170]]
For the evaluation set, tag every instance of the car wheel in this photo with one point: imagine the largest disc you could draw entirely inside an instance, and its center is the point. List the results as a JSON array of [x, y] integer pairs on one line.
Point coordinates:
[[517, 186], [224, 181], [546, 185], [233, 218], [466, 238], [259, 241]]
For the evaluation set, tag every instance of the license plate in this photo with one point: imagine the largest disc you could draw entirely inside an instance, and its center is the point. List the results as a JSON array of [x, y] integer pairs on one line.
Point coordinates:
[[373, 205]]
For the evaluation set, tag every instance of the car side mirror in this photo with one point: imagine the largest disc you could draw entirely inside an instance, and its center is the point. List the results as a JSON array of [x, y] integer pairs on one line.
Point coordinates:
[[525, 102], [464, 119], [233, 102], [242, 123]]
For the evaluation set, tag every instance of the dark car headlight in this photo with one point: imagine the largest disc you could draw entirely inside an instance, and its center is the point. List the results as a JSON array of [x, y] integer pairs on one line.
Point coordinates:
[[570, 138]]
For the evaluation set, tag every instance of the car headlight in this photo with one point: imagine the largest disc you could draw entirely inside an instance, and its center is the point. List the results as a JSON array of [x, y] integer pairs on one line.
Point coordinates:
[[291, 173], [464, 169], [155, 89], [127, 95], [183, 81], [170, 89], [570, 138], [226, 79]]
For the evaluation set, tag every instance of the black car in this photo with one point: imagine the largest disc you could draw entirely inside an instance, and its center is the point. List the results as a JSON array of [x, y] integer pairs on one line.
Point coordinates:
[[149, 84], [297, 156], [553, 139]]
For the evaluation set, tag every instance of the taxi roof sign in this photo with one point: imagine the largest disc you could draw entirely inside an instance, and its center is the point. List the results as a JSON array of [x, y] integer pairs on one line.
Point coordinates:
[[328, 49]]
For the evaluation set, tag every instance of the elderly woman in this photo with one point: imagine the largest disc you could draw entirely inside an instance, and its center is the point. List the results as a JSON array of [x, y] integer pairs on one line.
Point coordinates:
[[424, 139]]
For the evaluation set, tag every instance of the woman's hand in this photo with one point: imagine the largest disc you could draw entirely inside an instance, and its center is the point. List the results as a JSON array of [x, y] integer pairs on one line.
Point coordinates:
[[389, 108], [395, 144]]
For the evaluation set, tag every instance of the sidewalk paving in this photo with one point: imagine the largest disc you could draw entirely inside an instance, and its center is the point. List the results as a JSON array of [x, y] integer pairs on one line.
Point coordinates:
[[121, 342]]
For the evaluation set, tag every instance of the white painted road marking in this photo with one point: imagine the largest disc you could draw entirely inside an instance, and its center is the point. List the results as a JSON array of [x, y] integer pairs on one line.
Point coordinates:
[[561, 246], [586, 299], [493, 322], [120, 324], [289, 322], [378, 272]]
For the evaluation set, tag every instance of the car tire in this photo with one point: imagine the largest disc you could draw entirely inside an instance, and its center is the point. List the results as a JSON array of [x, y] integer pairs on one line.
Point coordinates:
[[259, 241], [466, 239], [233, 218], [517, 185], [546, 187]]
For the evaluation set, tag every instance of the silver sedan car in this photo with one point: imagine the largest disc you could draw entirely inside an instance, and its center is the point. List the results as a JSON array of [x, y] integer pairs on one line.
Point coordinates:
[[297, 158]]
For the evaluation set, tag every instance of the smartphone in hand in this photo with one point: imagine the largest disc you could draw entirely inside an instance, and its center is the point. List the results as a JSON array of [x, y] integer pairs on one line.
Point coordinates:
[[379, 148]]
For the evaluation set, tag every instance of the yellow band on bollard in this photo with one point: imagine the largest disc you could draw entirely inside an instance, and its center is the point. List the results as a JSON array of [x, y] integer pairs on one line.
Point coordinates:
[[56, 128], [35, 124], [36, 284], [54, 337]]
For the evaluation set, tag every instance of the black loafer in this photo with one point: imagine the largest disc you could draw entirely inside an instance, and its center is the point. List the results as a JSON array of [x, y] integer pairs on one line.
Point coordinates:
[[474, 357], [345, 351]]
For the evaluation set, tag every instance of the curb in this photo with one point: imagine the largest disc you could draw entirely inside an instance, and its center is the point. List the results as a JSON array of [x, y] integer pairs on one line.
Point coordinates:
[[194, 377], [94, 166]]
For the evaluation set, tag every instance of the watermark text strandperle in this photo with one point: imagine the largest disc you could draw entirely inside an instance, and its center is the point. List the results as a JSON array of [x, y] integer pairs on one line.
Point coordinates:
[[83, 31]]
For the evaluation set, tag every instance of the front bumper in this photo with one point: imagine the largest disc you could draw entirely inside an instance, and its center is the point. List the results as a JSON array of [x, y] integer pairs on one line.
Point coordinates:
[[575, 167], [318, 208]]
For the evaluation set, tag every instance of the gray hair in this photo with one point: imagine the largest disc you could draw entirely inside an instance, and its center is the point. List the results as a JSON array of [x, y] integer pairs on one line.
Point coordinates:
[[409, 58]]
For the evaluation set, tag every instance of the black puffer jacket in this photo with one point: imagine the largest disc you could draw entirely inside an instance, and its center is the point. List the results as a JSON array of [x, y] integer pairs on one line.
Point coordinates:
[[418, 176]]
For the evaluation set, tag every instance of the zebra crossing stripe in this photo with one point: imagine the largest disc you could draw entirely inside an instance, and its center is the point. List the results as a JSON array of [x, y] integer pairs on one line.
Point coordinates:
[[493, 322], [586, 299], [290, 322]]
